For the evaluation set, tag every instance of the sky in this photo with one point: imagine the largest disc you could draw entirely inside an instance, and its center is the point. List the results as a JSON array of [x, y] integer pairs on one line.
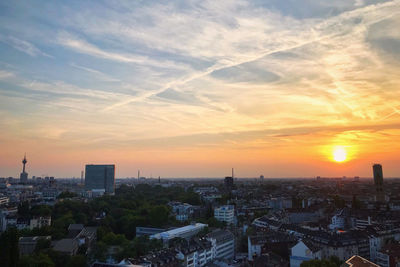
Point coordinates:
[[193, 88]]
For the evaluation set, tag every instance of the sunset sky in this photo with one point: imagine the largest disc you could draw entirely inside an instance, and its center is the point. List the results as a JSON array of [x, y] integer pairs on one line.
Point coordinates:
[[194, 88]]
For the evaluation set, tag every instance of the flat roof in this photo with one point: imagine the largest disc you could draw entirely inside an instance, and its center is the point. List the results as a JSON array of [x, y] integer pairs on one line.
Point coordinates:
[[181, 230]]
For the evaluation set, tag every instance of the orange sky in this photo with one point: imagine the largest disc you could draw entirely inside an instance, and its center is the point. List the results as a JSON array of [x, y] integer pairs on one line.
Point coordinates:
[[265, 88]]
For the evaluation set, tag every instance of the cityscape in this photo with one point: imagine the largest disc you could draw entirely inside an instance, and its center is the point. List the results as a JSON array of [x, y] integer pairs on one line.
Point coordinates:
[[99, 220], [200, 133]]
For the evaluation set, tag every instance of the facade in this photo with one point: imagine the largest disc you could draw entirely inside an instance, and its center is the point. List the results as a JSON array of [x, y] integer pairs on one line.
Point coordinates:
[[39, 222], [223, 244], [378, 241], [195, 253], [265, 222], [389, 255], [182, 211], [98, 177], [225, 214], [280, 203], [304, 251]]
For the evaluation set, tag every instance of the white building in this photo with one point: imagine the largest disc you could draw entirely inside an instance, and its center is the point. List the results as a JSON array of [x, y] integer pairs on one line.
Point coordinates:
[[182, 232], [196, 253], [182, 211], [254, 246], [377, 241], [225, 214], [223, 244], [303, 251]]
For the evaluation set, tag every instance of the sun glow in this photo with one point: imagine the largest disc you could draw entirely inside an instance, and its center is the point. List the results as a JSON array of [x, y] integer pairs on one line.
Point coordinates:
[[339, 154]]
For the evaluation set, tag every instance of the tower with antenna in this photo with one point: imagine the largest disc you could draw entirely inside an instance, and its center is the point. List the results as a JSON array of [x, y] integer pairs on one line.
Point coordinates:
[[24, 175], [229, 181]]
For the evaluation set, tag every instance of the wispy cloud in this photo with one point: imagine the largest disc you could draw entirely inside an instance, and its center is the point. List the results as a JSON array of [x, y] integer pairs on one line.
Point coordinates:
[[82, 46], [101, 75], [23, 46]]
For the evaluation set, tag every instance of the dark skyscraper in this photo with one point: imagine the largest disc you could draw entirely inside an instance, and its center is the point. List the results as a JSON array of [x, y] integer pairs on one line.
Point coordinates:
[[100, 177], [24, 176], [378, 180]]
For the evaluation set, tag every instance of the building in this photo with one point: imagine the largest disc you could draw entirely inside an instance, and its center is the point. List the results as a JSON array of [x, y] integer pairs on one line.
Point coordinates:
[[147, 231], [269, 242], [225, 214], [39, 222], [74, 230], [68, 246], [228, 182], [357, 261], [389, 255], [28, 244], [24, 175], [4, 200], [338, 220], [379, 237], [304, 251], [280, 203], [195, 252], [182, 211], [99, 177], [223, 244], [183, 232], [378, 181]]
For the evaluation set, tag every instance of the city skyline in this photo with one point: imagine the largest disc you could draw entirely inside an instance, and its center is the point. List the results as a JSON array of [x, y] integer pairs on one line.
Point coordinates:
[[192, 89]]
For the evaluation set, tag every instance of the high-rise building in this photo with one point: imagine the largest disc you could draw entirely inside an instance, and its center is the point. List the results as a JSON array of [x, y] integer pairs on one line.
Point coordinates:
[[24, 175], [100, 177], [378, 180]]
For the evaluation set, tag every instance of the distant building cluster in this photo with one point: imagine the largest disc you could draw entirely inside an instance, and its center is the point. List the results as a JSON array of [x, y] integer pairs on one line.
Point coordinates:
[[230, 221]]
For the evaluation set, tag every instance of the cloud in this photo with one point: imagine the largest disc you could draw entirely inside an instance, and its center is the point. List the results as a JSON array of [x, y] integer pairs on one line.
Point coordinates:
[[84, 47], [5, 74], [99, 74], [23, 46]]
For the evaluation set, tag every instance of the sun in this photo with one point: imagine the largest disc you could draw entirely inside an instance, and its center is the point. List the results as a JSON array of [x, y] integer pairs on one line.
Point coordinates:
[[339, 154]]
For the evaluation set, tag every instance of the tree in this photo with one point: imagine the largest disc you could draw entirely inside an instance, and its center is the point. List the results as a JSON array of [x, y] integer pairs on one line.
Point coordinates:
[[36, 260], [77, 261], [331, 262], [23, 209], [9, 253], [355, 203], [67, 194]]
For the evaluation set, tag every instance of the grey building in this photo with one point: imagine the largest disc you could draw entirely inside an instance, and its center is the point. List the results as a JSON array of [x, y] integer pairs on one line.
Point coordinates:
[[100, 177], [378, 180]]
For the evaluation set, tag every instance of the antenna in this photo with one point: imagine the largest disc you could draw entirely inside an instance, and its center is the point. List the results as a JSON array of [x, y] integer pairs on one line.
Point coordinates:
[[232, 172]]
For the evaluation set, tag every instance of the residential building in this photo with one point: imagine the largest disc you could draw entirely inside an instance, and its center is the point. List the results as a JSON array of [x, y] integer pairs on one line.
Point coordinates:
[[223, 243], [304, 251], [389, 255]]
